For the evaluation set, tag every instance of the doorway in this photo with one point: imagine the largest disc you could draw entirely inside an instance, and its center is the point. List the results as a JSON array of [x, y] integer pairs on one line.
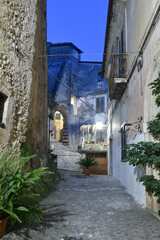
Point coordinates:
[[58, 126]]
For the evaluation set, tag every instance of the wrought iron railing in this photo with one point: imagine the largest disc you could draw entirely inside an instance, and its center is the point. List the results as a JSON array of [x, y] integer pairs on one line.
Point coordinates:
[[118, 68]]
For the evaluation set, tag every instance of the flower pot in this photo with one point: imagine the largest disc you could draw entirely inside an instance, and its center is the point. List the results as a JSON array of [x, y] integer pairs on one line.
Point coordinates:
[[86, 171], [3, 225]]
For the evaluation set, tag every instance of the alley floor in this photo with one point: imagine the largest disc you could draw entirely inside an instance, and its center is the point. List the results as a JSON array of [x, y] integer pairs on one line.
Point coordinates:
[[91, 207]]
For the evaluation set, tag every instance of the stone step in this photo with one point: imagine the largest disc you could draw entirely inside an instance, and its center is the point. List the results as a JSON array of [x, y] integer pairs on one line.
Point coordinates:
[[67, 157]]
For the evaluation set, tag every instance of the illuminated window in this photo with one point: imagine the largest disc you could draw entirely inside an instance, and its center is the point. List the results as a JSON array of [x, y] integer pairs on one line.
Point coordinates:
[[74, 103]]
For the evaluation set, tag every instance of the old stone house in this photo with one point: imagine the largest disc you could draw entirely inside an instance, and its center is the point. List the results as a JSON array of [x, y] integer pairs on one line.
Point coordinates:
[[23, 76], [78, 100], [131, 61]]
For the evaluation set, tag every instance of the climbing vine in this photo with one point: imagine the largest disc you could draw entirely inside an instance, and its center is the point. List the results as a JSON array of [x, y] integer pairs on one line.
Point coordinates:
[[147, 154]]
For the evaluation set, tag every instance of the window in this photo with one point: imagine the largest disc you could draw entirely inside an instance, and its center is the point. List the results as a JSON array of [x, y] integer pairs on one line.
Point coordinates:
[[123, 143], [100, 104], [123, 39], [3, 99], [74, 103]]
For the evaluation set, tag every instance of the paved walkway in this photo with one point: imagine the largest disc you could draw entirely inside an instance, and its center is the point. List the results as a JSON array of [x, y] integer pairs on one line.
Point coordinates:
[[95, 207]]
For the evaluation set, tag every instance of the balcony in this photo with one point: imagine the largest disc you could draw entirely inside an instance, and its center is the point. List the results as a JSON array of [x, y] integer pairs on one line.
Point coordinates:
[[94, 140], [117, 78]]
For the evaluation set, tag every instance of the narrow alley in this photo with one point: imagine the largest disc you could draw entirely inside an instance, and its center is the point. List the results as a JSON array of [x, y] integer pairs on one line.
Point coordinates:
[[91, 207]]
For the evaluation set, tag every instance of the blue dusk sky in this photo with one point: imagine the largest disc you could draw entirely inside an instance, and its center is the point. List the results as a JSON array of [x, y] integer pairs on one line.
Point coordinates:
[[82, 22]]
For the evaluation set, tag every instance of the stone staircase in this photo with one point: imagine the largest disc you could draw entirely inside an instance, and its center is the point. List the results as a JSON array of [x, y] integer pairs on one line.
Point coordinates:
[[66, 157], [65, 136]]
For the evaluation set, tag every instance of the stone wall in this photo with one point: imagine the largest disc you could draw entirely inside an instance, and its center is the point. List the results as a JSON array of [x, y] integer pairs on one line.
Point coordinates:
[[23, 74]]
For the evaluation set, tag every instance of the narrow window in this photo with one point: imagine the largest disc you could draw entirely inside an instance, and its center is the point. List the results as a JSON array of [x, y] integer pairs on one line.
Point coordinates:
[[123, 143], [3, 99], [100, 104]]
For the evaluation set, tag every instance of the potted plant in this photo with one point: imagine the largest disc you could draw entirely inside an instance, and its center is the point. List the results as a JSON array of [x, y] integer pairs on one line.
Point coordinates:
[[20, 189], [86, 163]]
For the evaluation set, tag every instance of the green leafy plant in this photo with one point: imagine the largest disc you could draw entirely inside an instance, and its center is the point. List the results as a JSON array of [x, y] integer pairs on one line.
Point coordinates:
[[154, 127], [144, 154], [20, 188], [87, 162], [147, 154], [155, 86]]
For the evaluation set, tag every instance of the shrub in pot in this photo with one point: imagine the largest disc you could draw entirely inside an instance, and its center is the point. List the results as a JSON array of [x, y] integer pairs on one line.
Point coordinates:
[[20, 188], [86, 163]]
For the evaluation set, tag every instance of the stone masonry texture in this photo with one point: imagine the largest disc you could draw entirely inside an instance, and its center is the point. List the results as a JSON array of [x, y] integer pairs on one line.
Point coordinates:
[[91, 207], [23, 74]]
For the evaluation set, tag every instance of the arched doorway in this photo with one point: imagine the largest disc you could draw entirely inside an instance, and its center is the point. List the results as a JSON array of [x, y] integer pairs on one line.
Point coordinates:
[[58, 126], [60, 121]]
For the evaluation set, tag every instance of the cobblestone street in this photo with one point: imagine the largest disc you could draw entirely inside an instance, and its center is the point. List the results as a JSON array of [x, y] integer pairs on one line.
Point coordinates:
[[94, 207]]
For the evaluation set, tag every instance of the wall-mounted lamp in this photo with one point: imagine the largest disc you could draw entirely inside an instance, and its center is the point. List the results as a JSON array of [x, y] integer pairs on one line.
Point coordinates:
[[136, 124], [139, 62], [123, 131]]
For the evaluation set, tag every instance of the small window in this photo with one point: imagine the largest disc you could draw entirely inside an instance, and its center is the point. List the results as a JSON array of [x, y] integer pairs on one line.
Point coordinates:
[[3, 99], [123, 143], [100, 104]]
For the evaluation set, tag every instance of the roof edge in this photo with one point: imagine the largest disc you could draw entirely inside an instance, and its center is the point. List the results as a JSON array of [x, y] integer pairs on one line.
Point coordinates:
[[107, 33], [66, 44]]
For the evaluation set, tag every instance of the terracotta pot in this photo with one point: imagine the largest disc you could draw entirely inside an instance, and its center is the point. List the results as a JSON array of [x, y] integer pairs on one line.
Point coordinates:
[[3, 225], [87, 171]]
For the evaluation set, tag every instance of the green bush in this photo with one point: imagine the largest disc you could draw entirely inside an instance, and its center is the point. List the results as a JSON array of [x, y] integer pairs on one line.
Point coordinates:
[[20, 188], [87, 162]]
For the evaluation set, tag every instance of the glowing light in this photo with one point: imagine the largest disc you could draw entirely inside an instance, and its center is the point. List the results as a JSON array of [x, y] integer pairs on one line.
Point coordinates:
[[99, 125]]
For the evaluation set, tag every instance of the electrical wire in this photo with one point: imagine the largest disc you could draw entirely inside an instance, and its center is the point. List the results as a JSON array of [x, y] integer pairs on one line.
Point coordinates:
[[86, 54], [75, 94]]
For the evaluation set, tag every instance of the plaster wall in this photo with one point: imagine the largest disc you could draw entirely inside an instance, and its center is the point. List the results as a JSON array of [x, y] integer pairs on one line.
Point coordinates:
[[137, 101], [152, 71], [138, 19], [23, 75], [125, 173]]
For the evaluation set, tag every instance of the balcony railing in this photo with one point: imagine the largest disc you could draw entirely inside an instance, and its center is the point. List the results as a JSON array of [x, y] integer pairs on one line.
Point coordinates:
[[118, 71]]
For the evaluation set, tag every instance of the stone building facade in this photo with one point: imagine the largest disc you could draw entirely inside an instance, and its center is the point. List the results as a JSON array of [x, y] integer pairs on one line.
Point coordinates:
[[23, 76], [131, 62], [78, 98]]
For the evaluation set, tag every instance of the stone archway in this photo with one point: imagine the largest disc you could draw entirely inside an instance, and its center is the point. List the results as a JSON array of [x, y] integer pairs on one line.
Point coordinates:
[[62, 134]]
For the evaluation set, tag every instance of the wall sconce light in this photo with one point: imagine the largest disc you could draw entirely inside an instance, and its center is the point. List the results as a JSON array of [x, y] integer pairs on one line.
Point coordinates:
[[123, 131], [139, 62], [136, 124]]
